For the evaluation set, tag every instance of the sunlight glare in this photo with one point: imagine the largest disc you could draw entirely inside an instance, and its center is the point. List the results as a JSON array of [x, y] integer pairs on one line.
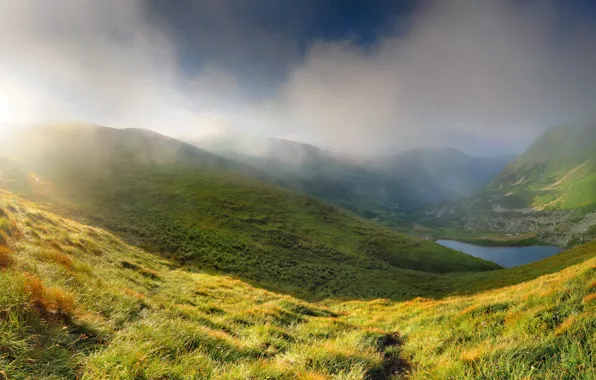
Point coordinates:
[[5, 114]]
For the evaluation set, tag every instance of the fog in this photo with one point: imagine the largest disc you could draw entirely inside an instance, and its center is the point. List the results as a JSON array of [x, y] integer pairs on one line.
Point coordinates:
[[485, 77]]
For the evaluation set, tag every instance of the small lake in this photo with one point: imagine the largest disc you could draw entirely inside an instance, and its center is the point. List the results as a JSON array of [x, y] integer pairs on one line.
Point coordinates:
[[504, 256]]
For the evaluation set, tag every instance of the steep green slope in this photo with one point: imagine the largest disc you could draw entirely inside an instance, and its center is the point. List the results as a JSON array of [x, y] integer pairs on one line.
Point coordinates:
[[78, 302], [212, 216], [557, 172]]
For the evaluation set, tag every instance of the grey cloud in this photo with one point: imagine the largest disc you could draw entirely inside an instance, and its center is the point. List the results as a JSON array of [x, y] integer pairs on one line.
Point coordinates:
[[485, 67]]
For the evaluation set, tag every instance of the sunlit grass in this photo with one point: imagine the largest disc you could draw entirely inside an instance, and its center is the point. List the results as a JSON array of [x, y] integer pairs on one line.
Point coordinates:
[[78, 302]]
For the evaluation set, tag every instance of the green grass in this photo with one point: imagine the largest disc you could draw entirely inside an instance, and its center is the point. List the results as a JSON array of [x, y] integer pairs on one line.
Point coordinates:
[[197, 209], [581, 193], [78, 302], [556, 172], [542, 329]]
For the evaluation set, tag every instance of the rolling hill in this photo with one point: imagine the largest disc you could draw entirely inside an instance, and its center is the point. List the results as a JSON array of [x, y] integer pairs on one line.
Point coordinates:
[[381, 187], [206, 211], [78, 302]]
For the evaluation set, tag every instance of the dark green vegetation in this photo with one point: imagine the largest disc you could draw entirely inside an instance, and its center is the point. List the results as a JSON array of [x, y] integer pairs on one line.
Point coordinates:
[[78, 302], [202, 210], [387, 188]]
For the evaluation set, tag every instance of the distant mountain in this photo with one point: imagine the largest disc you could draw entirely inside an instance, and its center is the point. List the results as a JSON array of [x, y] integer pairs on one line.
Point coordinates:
[[479, 145], [402, 183], [439, 174], [548, 192]]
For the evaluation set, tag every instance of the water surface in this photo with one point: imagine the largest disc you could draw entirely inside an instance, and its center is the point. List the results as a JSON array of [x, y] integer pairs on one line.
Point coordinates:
[[504, 256]]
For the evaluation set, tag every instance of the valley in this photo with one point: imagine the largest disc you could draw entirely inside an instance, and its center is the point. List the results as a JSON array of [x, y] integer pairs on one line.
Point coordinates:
[[297, 190], [547, 192], [127, 254], [79, 302]]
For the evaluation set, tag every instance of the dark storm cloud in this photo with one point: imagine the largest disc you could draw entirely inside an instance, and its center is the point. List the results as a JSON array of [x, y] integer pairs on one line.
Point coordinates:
[[258, 40]]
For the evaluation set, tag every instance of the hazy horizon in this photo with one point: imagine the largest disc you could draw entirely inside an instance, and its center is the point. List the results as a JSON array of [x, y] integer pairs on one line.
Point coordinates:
[[374, 77]]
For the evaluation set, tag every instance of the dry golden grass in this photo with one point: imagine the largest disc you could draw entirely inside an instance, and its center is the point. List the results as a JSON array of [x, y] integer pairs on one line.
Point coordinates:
[[589, 298], [563, 327], [47, 301], [6, 257]]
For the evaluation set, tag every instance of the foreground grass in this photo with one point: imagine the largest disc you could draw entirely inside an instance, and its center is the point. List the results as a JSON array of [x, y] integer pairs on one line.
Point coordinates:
[[78, 302], [541, 329]]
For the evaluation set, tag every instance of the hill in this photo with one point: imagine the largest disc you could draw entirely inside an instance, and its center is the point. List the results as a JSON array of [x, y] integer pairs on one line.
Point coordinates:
[[78, 302], [546, 194], [558, 171], [190, 205], [381, 187]]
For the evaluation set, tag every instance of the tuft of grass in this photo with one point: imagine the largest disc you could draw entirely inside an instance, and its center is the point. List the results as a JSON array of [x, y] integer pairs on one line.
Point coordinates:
[[6, 257], [543, 328]]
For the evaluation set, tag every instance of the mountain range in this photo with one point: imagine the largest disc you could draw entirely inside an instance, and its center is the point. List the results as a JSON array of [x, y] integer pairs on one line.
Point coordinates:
[[373, 186]]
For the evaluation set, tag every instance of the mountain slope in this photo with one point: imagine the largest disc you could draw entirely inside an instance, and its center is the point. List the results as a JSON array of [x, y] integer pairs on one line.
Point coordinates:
[[547, 194], [213, 217], [399, 183], [558, 171], [78, 302]]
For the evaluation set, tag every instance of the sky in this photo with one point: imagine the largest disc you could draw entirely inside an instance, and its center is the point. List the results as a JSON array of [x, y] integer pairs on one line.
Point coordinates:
[[365, 77]]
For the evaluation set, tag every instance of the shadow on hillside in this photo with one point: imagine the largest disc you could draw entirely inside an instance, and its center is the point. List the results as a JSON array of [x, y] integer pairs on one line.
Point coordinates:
[[436, 286]]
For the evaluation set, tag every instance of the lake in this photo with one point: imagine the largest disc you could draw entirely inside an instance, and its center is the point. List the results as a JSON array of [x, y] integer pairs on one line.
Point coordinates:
[[504, 256]]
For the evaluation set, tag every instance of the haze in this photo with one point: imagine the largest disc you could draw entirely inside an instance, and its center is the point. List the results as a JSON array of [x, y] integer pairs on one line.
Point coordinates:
[[482, 76]]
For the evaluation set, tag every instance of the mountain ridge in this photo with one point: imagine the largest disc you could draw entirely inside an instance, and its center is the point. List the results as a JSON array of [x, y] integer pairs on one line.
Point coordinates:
[[376, 186]]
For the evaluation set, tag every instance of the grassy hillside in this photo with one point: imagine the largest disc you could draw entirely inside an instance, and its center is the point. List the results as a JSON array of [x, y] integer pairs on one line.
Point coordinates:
[[189, 205], [78, 302], [557, 172], [540, 329]]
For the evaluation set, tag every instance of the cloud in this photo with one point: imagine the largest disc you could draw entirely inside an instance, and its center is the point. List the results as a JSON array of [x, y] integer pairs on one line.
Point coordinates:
[[500, 70], [488, 68], [97, 61]]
